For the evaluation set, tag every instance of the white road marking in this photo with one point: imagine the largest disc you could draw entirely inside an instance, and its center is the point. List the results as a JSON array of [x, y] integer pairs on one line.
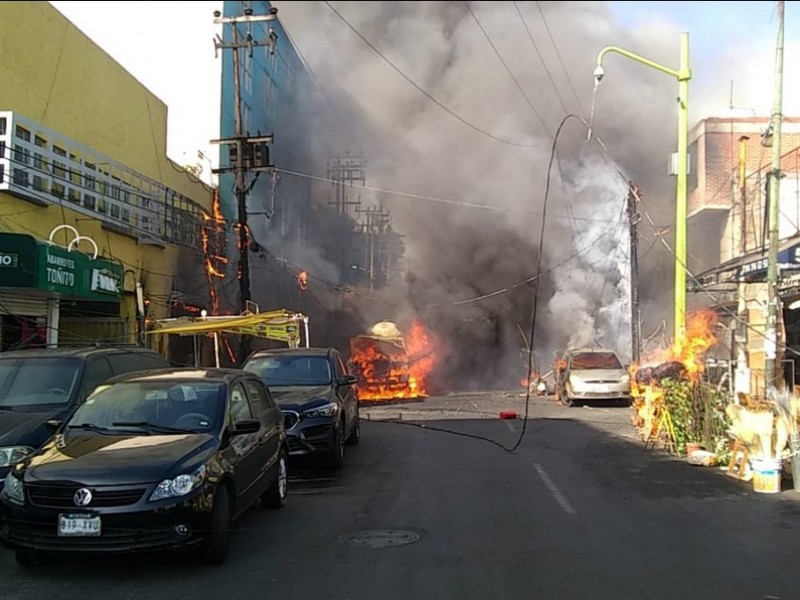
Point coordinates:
[[510, 426], [553, 489]]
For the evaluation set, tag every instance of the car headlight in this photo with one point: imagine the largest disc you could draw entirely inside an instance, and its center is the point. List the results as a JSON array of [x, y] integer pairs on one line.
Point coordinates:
[[625, 379], [11, 455], [180, 485], [326, 410], [13, 490]]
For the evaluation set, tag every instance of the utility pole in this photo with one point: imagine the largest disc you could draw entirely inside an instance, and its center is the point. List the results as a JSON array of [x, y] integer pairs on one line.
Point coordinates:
[[247, 154], [377, 220], [771, 341], [743, 194], [343, 172], [636, 320]]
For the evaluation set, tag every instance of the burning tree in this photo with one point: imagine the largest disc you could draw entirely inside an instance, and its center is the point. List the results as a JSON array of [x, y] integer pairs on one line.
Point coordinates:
[[670, 396]]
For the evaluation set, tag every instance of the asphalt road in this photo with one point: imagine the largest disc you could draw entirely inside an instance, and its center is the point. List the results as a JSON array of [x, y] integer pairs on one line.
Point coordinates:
[[579, 511]]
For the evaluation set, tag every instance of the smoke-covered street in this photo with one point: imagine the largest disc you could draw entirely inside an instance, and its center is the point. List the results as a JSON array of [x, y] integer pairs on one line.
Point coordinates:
[[580, 511]]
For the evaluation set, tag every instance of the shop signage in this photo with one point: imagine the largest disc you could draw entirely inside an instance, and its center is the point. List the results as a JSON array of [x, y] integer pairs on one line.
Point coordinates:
[[9, 261], [756, 270], [47, 267]]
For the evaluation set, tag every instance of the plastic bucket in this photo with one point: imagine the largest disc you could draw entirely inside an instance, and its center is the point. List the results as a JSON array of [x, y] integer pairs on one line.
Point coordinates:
[[766, 476]]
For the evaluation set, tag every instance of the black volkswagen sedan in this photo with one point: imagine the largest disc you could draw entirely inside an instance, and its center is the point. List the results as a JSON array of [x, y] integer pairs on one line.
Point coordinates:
[[152, 460], [317, 397]]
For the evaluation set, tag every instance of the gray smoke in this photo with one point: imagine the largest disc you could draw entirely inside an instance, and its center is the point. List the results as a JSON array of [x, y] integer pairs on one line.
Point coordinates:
[[458, 253]]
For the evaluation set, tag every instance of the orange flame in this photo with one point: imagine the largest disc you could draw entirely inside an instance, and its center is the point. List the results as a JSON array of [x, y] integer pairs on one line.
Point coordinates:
[[212, 238], [690, 351], [391, 371], [302, 281]]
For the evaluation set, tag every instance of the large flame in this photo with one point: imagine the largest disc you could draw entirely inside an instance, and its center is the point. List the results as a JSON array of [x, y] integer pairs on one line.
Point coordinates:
[[684, 358], [393, 369]]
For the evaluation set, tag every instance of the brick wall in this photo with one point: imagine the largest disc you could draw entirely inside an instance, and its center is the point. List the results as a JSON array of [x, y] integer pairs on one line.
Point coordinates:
[[715, 142]]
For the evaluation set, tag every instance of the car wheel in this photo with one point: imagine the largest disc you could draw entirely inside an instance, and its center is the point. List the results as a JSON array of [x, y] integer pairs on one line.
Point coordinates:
[[25, 558], [564, 398], [336, 457], [275, 496], [216, 547], [355, 435]]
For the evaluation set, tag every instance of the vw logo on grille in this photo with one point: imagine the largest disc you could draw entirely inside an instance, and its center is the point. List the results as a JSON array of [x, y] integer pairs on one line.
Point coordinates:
[[82, 497]]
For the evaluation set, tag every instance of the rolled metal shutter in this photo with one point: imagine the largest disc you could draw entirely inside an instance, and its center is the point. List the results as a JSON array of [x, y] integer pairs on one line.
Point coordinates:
[[25, 306]]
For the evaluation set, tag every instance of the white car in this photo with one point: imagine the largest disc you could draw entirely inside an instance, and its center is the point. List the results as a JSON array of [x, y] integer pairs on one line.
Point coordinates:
[[591, 374]]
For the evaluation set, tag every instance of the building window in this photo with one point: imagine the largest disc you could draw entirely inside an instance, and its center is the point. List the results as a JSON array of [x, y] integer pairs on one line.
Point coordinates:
[[3, 125], [20, 177], [57, 189], [23, 133], [2, 149], [2, 173], [74, 195], [59, 150], [89, 202], [59, 169], [691, 182], [39, 183], [40, 141], [39, 162], [114, 211], [22, 155]]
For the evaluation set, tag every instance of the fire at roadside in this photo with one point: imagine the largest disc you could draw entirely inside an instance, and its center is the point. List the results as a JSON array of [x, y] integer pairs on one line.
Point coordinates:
[[391, 366]]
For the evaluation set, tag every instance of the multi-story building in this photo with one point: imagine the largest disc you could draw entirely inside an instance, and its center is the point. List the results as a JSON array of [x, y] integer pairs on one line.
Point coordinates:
[[728, 236], [99, 230], [304, 217]]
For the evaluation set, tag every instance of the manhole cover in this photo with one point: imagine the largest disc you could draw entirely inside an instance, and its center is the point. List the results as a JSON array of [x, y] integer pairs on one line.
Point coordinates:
[[380, 538]]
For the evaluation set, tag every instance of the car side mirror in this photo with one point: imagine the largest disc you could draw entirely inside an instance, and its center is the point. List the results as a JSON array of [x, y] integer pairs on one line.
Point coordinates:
[[245, 427], [53, 424], [347, 380]]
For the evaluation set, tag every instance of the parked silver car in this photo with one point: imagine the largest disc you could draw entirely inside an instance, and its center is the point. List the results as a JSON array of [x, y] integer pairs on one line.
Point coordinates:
[[591, 374]]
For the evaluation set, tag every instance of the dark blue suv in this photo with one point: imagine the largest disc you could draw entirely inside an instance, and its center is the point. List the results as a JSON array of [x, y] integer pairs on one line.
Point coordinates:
[[317, 396]]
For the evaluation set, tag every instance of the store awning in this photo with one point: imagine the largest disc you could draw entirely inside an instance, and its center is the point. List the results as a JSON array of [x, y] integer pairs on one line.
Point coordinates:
[[752, 267], [280, 325]]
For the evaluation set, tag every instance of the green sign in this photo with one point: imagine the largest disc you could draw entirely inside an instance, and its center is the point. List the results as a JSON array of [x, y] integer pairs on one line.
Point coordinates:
[[28, 263]]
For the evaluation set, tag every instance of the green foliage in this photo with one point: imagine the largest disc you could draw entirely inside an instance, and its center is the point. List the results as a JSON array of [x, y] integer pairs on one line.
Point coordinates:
[[698, 414]]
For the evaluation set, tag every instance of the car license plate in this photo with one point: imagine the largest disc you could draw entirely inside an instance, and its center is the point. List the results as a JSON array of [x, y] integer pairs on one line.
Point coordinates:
[[78, 525]]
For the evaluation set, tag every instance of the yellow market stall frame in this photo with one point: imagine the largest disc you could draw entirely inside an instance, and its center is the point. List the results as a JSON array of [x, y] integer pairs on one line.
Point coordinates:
[[279, 325]]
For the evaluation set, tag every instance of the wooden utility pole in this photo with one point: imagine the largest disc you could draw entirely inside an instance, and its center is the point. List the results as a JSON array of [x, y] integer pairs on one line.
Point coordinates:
[[636, 319], [773, 300]]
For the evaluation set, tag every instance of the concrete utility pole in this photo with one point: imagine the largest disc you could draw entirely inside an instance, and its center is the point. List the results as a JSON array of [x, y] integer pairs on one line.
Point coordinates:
[[773, 300], [636, 320], [247, 154]]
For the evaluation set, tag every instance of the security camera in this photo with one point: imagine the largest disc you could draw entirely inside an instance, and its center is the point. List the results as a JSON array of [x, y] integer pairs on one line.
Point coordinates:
[[599, 73]]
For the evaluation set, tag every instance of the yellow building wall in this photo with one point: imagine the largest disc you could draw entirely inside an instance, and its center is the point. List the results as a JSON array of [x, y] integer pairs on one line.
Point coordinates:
[[53, 74]]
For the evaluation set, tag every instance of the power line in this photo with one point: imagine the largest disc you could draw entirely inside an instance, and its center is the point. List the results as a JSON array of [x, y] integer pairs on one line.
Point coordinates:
[[436, 199], [507, 68], [421, 90], [541, 58], [560, 58]]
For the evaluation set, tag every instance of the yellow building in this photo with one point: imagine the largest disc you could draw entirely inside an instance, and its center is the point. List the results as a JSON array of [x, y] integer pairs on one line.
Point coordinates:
[[96, 223]]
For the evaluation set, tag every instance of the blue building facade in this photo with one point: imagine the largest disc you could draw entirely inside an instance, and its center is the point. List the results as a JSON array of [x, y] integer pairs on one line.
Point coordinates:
[[274, 86]]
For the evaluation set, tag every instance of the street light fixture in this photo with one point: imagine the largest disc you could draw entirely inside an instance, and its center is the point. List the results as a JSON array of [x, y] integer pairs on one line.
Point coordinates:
[[683, 74]]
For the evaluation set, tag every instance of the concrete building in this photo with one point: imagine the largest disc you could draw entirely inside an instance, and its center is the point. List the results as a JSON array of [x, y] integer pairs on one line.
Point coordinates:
[[96, 223], [728, 236]]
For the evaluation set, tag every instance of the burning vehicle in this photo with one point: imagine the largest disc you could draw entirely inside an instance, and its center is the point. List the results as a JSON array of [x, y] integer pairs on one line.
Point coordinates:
[[591, 374], [390, 366]]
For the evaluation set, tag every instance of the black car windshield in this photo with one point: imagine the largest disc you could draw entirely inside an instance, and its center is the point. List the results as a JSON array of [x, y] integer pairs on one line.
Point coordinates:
[[153, 407], [291, 370], [596, 360], [38, 380]]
